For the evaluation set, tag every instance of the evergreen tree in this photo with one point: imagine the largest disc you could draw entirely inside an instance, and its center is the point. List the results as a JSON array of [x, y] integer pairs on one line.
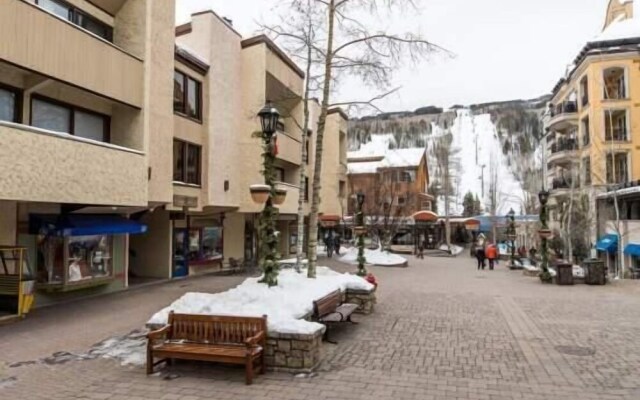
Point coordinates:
[[468, 205]]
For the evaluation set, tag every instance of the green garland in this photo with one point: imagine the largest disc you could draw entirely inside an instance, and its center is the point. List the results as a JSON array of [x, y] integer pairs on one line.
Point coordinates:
[[269, 255], [545, 275], [362, 271]]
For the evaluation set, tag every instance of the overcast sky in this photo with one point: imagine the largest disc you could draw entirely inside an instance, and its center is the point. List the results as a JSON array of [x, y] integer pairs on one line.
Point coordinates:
[[505, 49]]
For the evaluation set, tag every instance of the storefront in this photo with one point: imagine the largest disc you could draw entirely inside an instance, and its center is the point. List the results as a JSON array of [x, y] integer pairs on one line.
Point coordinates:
[[80, 252], [198, 245]]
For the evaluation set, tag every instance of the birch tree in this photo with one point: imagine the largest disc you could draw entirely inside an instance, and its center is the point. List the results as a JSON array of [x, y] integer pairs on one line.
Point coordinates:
[[347, 47]]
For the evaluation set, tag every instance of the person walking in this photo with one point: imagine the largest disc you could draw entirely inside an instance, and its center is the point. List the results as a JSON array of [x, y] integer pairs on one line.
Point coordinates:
[[420, 254], [492, 255], [336, 244], [480, 256]]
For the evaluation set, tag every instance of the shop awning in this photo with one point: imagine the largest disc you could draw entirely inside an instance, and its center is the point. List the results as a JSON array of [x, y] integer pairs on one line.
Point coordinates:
[[608, 243], [632, 250], [83, 225]]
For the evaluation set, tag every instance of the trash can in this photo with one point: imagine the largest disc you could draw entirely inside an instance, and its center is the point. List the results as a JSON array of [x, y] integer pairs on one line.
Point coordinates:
[[565, 274], [594, 272]]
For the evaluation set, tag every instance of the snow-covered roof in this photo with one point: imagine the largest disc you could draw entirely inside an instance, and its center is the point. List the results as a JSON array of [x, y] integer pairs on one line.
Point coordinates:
[[620, 28], [376, 154]]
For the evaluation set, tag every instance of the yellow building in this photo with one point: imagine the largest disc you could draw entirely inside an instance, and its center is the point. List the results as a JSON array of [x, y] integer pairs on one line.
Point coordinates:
[[593, 122]]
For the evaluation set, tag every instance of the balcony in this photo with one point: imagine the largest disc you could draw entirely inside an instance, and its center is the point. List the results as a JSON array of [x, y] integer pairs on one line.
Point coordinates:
[[563, 115], [289, 148], [63, 51], [46, 166], [561, 186], [290, 205], [563, 151]]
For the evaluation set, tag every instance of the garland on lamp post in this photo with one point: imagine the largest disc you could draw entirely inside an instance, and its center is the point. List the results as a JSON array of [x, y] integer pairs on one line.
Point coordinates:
[[360, 231], [269, 195], [544, 233], [512, 234]]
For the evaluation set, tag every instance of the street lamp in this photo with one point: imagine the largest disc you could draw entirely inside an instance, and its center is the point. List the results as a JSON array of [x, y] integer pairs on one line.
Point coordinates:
[[268, 195], [545, 234], [360, 230], [512, 234]]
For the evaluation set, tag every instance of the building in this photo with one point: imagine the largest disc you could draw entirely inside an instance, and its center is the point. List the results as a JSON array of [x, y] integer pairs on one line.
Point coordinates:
[[85, 138], [593, 124], [394, 181], [128, 144]]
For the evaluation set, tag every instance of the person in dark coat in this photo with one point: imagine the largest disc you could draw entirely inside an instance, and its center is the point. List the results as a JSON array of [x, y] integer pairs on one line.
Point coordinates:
[[336, 244], [480, 256]]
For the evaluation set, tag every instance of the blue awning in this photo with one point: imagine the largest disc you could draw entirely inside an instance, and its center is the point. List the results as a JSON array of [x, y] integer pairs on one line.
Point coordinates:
[[632, 250], [608, 243], [83, 225]]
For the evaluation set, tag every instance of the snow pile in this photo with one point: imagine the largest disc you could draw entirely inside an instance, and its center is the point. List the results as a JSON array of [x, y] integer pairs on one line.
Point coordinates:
[[476, 144], [454, 250], [620, 29], [375, 257], [129, 349], [284, 304]]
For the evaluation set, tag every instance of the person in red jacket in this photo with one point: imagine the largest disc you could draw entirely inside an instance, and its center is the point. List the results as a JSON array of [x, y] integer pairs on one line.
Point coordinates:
[[492, 254]]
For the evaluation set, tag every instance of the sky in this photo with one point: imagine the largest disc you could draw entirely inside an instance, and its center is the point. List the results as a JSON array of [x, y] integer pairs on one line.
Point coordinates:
[[504, 49]]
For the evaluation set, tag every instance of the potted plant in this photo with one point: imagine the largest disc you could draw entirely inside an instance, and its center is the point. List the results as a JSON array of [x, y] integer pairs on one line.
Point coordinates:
[[260, 193], [280, 197]]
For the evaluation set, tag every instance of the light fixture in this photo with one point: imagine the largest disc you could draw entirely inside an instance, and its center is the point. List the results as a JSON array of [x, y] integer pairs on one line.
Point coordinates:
[[269, 117]]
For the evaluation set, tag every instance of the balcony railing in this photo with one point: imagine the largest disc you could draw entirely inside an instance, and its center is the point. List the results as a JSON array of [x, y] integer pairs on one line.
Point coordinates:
[[562, 183], [617, 134], [566, 107], [564, 145]]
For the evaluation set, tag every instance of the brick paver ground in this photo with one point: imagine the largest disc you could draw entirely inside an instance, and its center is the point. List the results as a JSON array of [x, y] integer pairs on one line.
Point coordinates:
[[441, 330]]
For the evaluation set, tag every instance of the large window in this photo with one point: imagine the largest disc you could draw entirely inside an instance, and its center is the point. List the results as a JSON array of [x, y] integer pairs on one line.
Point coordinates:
[[56, 116], [615, 87], [615, 125], [584, 91], [617, 168], [342, 189], [586, 165], [187, 162], [9, 105], [187, 96], [77, 17], [586, 132]]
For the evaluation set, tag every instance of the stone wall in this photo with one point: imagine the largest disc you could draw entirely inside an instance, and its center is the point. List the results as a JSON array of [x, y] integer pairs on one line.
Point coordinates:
[[365, 300], [293, 352]]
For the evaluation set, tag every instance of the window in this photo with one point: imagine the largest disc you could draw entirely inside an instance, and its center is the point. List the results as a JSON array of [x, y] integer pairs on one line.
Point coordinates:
[[586, 133], [56, 116], [187, 162], [306, 189], [408, 176], [306, 151], [615, 125], [401, 200], [614, 84], [9, 105], [187, 96], [584, 90], [617, 168], [342, 189], [77, 17], [280, 175], [586, 165]]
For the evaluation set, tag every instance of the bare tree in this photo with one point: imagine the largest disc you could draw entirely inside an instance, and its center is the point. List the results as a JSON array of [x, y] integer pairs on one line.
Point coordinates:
[[345, 47], [448, 167], [494, 196]]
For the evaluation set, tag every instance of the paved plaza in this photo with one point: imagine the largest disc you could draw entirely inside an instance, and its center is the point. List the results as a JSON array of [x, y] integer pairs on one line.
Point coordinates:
[[441, 330]]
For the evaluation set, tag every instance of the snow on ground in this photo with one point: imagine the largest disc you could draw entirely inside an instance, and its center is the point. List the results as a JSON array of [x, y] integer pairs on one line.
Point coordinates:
[[129, 349], [455, 250], [284, 304], [375, 257], [470, 131]]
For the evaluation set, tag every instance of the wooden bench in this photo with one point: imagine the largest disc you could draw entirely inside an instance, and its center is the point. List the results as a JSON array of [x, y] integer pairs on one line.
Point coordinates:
[[330, 310], [224, 339]]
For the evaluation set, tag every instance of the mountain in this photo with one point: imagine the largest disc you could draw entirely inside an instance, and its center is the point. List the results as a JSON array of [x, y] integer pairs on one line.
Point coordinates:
[[504, 137]]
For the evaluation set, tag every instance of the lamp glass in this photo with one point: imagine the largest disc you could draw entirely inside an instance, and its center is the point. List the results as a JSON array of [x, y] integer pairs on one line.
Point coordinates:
[[269, 117]]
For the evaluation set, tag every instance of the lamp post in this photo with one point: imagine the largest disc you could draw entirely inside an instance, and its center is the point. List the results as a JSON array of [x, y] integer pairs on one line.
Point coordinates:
[[545, 234], [360, 230], [512, 234], [269, 195]]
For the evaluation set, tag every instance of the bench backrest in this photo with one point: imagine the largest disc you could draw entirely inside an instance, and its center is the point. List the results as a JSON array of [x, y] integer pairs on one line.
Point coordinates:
[[327, 304], [220, 329], [9, 284]]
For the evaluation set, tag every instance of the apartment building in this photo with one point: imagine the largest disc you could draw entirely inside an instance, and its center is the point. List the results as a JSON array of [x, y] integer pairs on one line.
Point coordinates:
[[128, 145], [593, 123], [85, 138]]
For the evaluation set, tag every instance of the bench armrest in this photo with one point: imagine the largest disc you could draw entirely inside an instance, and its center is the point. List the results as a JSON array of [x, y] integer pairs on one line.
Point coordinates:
[[255, 340], [160, 333]]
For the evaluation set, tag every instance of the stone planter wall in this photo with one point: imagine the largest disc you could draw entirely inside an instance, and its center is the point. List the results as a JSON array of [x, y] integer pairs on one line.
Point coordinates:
[[293, 352], [365, 300]]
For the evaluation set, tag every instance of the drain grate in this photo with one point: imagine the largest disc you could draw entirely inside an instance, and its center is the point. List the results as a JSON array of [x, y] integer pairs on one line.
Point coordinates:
[[576, 350]]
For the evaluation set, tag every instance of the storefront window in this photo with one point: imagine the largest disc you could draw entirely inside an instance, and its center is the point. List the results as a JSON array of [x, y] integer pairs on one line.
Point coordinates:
[[75, 259]]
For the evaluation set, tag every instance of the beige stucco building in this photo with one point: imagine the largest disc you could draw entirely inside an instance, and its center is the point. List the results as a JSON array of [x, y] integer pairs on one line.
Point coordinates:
[[128, 145]]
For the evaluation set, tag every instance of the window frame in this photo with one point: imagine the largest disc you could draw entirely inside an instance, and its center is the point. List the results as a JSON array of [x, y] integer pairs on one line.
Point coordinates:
[[625, 76], [627, 126], [106, 134], [185, 97], [185, 163], [74, 18], [613, 156], [18, 108]]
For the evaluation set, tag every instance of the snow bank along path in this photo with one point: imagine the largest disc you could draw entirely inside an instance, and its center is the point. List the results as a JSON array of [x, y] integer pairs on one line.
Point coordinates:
[[375, 257], [284, 304]]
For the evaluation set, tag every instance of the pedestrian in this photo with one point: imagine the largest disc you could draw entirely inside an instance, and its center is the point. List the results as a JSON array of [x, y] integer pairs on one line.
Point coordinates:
[[480, 256], [337, 243], [421, 251], [492, 255], [532, 253]]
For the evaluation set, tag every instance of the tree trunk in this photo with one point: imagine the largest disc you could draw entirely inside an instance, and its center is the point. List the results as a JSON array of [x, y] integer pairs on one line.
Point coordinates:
[[315, 202], [305, 158]]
